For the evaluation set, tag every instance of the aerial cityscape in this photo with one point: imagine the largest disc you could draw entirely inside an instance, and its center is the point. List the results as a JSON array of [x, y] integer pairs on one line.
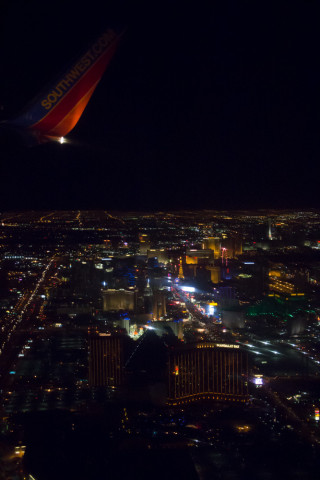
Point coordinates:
[[159, 240], [186, 342]]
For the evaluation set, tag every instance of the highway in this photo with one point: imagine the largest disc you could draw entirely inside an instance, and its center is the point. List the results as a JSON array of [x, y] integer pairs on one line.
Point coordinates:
[[17, 325]]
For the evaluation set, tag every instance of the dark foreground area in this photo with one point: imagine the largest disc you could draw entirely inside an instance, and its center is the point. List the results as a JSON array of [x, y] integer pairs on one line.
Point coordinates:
[[198, 442]]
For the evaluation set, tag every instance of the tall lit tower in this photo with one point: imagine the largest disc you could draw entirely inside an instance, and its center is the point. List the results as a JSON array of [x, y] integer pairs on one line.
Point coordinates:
[[269, 229], [180, 269]]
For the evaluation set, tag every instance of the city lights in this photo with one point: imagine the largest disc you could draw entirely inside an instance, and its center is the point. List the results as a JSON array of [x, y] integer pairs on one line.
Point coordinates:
[[91, 320]]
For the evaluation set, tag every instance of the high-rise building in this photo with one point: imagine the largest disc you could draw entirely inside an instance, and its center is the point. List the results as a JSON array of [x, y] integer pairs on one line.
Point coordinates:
[[105, 360], [214, 244], [120, 299], [144, 244], [159, 304], [232, 247], [215, 273], [207, 371]]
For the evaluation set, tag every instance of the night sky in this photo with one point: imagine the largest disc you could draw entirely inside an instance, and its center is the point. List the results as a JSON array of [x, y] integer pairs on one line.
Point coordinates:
[[202, 106]]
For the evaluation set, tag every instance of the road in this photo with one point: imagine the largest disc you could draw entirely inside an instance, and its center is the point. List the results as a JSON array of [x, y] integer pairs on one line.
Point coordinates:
[[214, 331], [18, 324]]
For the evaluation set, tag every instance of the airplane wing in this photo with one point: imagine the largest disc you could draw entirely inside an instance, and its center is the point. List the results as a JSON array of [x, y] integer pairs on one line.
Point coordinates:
[[56, 111]]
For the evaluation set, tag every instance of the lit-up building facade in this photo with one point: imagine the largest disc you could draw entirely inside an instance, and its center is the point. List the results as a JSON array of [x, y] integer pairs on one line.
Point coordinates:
[[281, 286], [207, 371], [214, 244], [119, 299], [285, 283], [197, 257], [105, 360], [215, 273]]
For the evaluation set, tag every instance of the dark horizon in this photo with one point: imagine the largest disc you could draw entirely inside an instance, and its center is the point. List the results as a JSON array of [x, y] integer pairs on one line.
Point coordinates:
[[201, 107], [219, 211]]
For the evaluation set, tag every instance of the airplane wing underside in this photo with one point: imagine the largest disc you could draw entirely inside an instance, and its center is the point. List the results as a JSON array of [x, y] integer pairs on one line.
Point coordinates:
[[57, 110]]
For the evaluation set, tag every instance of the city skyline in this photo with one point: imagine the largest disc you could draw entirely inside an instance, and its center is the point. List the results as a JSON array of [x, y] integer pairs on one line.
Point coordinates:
[[189, 339]]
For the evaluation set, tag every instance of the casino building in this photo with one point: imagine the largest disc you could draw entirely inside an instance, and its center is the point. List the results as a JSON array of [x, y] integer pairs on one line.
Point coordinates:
[[207, 371]]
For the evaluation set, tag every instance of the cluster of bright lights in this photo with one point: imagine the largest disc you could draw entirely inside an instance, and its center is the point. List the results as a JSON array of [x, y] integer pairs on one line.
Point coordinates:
[[258, 380], [188, 289]]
